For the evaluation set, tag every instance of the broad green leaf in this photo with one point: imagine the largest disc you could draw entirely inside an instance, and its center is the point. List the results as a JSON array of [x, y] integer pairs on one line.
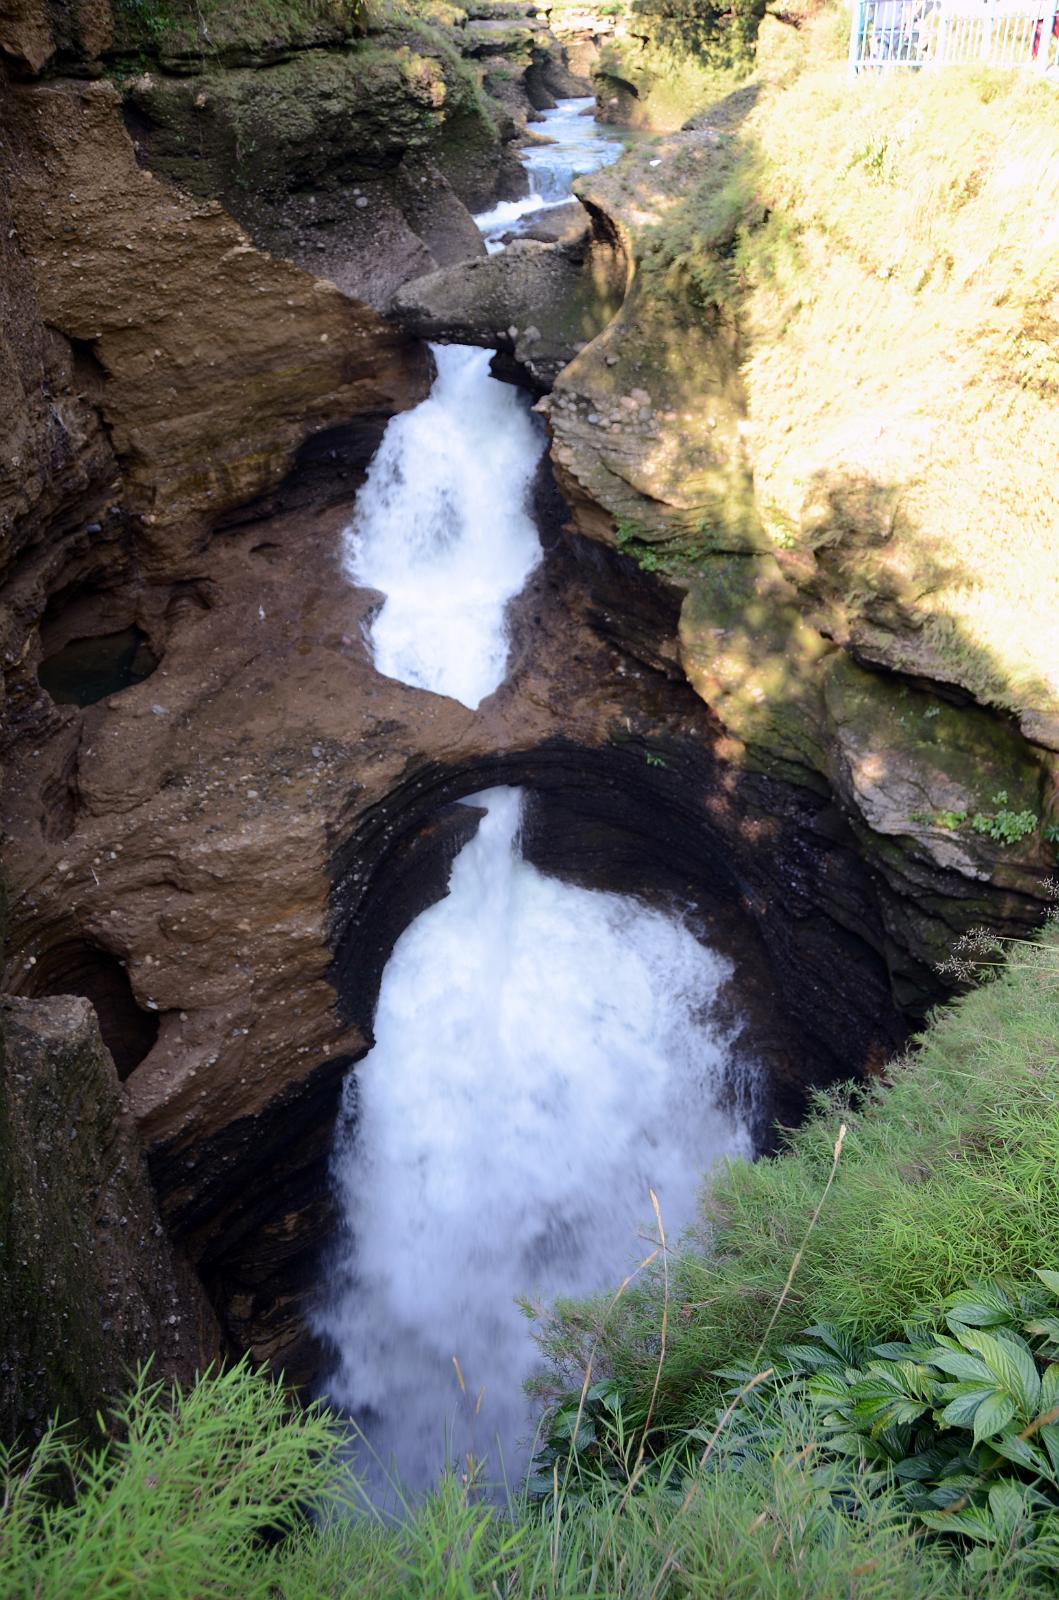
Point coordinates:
[[992, 1416], [1049, 1279], [953, 1487], [828, 1388], [874, 1386], [1024, 1452], [974, 1522], [1049, 1437], [1045, 1328], [925, 1464], [811, 1358], [835, 1340], [606, 1393], [968, 1368], [962, 1407], [899, 1413], [1011, 1362], [1050, 1387], [1007, 1502], [985, 1306]]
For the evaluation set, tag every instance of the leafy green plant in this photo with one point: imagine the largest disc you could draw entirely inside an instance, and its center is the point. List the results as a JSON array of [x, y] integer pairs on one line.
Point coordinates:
[[940, 819], [964, 1417], [1004, 826]]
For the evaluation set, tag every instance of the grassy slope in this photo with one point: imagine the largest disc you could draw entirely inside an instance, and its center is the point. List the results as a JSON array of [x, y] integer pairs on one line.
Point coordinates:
[[174, 1509], [913, 227], [894, 272]]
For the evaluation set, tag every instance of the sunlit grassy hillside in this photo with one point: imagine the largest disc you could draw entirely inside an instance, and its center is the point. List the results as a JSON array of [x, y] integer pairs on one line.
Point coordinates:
[[896, 268]]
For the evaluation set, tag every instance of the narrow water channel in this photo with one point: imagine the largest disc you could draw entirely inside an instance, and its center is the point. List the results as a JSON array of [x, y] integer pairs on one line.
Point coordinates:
[[545, 1055]]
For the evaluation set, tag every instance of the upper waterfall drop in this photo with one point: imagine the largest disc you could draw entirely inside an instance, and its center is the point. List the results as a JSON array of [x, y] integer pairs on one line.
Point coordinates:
[[443, 529], [572, 146], [442, 525]]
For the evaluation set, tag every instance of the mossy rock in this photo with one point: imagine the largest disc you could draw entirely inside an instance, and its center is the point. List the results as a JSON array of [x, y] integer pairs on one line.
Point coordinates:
[[920, 769], [749, 653], [189, 35], [321, 116], [499, 10]]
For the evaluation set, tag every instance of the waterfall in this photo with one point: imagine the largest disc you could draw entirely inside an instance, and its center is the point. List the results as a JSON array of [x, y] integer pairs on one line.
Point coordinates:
[[545, 1056], [442, 527], [577, 146]]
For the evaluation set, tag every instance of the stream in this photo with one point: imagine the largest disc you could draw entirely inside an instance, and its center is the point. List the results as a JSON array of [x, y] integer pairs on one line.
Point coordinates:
[[546, 1056]]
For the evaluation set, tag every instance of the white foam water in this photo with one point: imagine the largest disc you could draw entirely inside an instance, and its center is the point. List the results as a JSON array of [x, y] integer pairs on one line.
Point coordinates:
[[443, 528], [579, 146], [545, 1056]]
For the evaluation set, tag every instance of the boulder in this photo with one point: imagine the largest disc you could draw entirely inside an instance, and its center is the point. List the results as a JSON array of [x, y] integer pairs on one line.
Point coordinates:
[[90, 1285]]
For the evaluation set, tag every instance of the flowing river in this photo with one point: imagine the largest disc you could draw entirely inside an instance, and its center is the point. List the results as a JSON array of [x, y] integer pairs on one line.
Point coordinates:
[[545, 1055]]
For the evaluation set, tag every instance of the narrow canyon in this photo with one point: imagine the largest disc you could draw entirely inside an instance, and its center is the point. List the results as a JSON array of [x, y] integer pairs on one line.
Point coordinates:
[[469, 764]]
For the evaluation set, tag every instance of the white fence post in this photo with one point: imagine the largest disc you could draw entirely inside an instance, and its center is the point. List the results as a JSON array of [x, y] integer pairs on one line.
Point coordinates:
[[855, 31]]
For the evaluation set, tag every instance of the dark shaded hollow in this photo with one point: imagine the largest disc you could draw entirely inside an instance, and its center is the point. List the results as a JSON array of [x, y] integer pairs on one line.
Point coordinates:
[[85, 670], [73, 966]]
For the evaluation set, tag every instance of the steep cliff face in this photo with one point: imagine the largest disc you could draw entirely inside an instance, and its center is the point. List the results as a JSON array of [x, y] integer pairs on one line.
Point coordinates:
[[157, 372], [89, 1284], [215, 361], [161, 372], [840, 532]]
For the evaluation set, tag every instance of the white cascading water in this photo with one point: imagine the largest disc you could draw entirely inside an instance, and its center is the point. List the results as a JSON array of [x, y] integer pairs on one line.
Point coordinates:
[[579, 146], [545, 1056], [442, 528]]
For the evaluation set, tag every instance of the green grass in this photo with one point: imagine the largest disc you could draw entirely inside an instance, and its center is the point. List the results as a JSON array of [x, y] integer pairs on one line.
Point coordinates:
[[949, 1172], [179, 1506], [174, 1503]]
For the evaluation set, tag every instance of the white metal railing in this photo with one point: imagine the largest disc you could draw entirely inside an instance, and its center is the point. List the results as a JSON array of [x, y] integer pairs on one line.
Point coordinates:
[[942, 33]]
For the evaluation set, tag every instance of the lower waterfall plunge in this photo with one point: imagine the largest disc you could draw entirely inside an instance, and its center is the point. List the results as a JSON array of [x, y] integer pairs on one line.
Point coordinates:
[[545, 1055]]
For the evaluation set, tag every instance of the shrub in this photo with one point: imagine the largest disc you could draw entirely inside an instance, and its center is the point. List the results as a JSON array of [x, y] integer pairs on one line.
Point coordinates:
[[175, 1502], [963, 1417]]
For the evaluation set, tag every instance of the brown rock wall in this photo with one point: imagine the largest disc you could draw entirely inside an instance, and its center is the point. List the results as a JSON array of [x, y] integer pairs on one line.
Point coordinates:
[[217, 361]]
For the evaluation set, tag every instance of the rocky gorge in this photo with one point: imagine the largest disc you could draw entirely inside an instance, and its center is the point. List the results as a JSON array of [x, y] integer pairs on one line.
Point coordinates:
[[223, 250]]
